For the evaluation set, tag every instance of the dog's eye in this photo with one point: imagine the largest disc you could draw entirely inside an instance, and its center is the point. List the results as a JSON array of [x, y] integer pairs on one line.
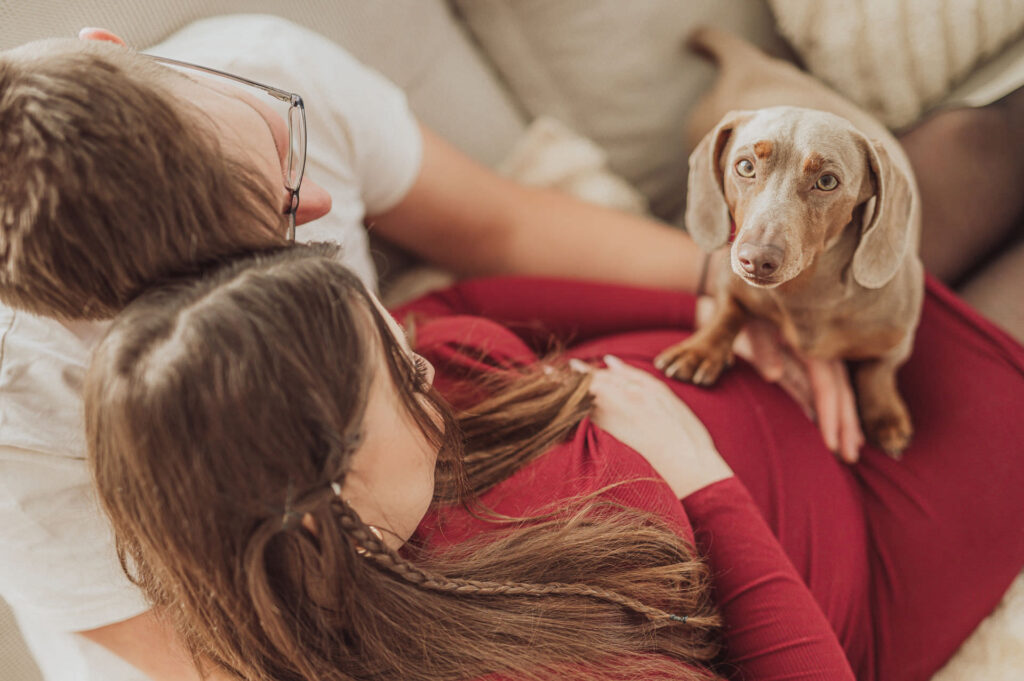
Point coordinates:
[[744, 168], [827, 183]]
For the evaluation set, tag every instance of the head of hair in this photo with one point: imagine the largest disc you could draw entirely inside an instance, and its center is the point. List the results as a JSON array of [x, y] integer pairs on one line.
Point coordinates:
[[110, 182], [219, 412]]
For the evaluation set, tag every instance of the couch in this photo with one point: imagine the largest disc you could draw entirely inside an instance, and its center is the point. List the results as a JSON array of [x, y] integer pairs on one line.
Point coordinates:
[[480, 72]]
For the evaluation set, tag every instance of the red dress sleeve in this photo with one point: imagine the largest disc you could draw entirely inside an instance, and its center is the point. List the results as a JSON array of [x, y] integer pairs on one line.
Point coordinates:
[[774, 627]]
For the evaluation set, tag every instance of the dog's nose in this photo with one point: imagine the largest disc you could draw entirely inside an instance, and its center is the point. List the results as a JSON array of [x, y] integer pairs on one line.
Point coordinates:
[[761, 261]]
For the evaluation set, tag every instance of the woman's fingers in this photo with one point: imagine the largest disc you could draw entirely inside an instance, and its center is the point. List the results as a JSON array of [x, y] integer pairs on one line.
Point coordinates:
[[580, 366], [821, 388], [630, 372], [614, 362], [852, 437], [766, 352], [609, 382], [837, 408], [797, 385], [826, 400]]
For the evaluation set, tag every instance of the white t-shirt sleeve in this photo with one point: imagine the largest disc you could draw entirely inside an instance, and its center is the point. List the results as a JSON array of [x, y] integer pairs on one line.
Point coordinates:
[[364, 144], [58, 565]]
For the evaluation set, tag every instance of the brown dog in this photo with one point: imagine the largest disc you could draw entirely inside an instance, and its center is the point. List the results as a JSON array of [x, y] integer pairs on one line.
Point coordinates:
[[825, 216]]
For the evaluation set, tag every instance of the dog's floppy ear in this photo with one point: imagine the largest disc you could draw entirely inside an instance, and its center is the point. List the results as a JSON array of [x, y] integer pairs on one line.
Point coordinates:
[[707, 214], [886, 234]]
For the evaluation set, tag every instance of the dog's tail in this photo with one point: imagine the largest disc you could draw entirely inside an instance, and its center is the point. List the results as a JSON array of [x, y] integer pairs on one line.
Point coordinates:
[[719, 45]]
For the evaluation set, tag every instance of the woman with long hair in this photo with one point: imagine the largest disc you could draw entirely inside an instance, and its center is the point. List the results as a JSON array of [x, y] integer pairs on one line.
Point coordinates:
[[290, 489]]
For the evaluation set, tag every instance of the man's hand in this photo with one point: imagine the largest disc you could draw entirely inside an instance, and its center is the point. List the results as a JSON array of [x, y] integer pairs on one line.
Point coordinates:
[[821, 387]]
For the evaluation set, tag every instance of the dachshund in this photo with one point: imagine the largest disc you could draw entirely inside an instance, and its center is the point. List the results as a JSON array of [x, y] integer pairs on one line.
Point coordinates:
[[819, 205]]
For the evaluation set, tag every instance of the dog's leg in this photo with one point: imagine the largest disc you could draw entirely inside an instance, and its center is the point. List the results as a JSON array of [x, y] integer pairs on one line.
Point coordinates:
[[883, 413], [702, 357]]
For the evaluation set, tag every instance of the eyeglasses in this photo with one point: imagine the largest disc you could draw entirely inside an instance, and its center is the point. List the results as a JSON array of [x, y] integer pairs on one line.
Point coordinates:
[[295, 163]]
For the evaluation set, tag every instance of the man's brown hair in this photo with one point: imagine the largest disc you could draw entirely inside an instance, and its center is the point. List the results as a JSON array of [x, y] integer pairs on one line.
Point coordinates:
[[108, 183]]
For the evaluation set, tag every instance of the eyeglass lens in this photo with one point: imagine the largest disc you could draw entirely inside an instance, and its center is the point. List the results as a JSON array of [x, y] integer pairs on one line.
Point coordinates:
[[296, 160]]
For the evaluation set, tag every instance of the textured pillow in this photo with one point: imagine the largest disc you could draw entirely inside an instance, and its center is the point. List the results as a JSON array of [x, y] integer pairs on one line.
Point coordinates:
[[617, 72], [897, 58]]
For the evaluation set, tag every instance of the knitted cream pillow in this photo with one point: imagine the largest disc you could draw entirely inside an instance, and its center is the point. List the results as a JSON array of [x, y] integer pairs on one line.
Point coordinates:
[[896, 58]]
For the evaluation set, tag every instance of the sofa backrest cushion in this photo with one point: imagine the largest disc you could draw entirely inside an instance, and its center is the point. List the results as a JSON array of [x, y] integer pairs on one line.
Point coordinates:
[[617, 72]]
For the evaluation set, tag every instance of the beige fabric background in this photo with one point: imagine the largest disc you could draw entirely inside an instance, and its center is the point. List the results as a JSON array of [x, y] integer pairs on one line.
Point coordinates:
[[15, 662]]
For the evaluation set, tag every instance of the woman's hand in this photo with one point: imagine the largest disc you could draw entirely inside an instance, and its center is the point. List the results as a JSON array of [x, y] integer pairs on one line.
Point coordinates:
[[642, 412], [821, 387]]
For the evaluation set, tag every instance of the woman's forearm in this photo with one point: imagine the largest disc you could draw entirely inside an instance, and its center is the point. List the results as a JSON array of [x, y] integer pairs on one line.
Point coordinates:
[[774, 628]]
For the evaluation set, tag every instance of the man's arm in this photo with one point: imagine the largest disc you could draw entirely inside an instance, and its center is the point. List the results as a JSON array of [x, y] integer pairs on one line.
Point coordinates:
[[463, 216], [152, 647]]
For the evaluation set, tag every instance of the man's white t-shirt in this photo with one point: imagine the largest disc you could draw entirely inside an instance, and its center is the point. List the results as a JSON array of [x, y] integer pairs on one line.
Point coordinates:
[[58, 568]]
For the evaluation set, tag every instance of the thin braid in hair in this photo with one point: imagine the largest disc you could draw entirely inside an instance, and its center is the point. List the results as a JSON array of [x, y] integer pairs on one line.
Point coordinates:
[[388, 559]]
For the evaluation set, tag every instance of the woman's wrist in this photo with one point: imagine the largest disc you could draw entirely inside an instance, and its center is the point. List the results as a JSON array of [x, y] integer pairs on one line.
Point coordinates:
[[697, 472], [705, 482]]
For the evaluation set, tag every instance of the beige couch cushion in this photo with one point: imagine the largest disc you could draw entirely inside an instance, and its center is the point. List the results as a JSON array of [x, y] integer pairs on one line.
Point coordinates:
[[415, 43], [897, 58], [614, 71]]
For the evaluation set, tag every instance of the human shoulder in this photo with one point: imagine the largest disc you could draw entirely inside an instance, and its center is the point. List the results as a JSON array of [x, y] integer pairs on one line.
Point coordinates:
[[272, 49], [42, 366], [50, 519]]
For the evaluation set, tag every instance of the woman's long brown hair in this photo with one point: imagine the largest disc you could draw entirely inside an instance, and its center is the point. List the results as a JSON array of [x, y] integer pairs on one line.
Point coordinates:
[[220, 410]]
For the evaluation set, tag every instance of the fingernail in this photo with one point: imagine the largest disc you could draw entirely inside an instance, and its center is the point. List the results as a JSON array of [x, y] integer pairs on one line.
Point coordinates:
[[612, 360], [577, 365]]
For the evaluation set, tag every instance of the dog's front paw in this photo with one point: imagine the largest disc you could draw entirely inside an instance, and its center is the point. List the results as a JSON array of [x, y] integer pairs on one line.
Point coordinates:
[[695, 361], [890, 431]]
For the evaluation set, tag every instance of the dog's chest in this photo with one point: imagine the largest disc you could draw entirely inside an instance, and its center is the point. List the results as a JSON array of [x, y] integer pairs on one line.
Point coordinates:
[[830, 337], [825, 327]]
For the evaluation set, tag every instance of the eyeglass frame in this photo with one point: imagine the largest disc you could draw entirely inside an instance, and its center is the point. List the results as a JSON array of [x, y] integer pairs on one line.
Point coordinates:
[[293, 100]]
